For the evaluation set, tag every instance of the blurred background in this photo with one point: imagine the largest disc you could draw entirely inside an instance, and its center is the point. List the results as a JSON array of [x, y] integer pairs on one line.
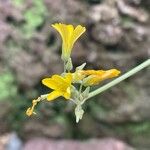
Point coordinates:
[[117, 36]]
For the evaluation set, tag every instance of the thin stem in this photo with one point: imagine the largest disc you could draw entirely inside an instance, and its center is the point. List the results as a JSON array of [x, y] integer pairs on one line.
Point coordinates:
[[119, 79], [64, 67], [80, 89], [43, 97], [73, 101]]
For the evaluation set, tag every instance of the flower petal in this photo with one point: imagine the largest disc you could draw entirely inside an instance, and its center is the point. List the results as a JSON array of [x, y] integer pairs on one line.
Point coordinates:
[[58, 28], [95, 77], [68, 78], [67, 94], [61, 28], [79, 30], [111, 73], [61, 83], [49, 82], [53, 95], [92, 72]]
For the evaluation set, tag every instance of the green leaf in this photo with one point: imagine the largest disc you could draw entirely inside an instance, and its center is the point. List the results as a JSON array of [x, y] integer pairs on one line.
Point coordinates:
[[7, 87], [80, 67], [85, 93]]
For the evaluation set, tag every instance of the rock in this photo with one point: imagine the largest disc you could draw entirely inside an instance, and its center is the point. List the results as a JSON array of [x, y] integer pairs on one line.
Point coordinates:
[[26, 67], [10, 141], [107, 34], [3, 141], [5, 107], [74, 9], [103, 12], [14, 142], [55, 128], [5, 30], [101, 144], [138, 14], [117, 36]]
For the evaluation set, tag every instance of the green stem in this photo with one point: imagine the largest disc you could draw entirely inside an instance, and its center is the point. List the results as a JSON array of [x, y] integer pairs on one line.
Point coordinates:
[[64, 67], [119, 79], [80, 89]]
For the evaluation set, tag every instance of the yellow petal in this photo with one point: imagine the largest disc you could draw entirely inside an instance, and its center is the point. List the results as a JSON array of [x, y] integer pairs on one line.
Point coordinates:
[[53, 95], [58, 78], [61, 28], [64, 31], [95, 77], [67, 31], [92, 72], [67, 94], [70, 30], [55, 82], [112, 73], [61, 83], [49, 82], [68, 78], [90, 80], [79, 30], [58, 28]]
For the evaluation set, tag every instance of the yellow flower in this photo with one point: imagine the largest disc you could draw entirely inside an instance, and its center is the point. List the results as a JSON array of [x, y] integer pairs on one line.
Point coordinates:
[[94, 77], [60, 85], [69, 35]]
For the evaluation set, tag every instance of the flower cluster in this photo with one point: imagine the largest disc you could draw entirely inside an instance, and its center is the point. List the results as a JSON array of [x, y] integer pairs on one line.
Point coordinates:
[[66, 84]]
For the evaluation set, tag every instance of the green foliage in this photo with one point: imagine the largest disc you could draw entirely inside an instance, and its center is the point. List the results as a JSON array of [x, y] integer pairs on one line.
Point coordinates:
[[139, 128], [130, 89], [137, 132], [127, 21], [7, 87], [34, 17], [18, 2]]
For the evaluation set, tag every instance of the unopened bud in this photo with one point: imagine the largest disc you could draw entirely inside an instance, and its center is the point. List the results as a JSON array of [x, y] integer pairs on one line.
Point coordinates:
[[79, 113]]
